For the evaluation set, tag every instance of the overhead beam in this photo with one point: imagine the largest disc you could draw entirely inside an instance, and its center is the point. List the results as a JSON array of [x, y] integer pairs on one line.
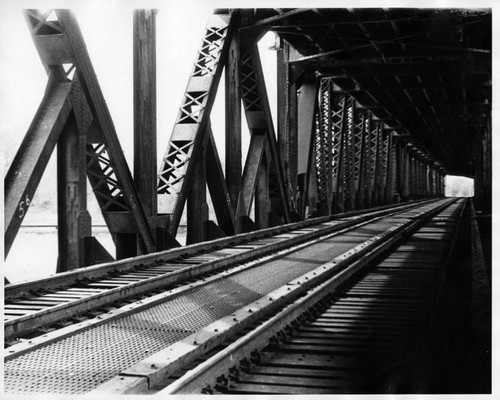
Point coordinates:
[[276, 18]]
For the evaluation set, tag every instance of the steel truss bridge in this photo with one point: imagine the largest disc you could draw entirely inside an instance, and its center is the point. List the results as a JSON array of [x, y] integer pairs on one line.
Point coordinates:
[[335, 227]]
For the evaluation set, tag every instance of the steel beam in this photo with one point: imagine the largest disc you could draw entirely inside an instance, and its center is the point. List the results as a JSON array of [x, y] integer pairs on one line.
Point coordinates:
[[249, 179], [323, 148], [259, 119], [145, 166], [73, 222], [391, 169], [219, 193], [338, 127], [287, 124], [307, 100], [233, 154], [349, 151], [262, 201], [28, 166], [192, 120], [372, 149], [95, 99], [197, 207]]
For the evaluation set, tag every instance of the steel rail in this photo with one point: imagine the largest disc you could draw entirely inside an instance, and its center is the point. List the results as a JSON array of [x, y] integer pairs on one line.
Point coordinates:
[[89, 273], [54, 307], [155, 368], [206, 374], [59, 334]]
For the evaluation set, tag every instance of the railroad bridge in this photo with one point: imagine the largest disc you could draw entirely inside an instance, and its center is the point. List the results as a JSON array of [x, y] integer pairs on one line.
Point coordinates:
[[326, 259]]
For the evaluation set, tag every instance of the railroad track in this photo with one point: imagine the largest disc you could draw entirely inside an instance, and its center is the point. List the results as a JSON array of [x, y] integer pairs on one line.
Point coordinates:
[[33, 307], [360, 332], [135, 347]]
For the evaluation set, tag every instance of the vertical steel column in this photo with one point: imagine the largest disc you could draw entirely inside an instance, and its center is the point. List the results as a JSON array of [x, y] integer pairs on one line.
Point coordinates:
[[379, 173], [262, 194], [371, 159], [423, 179], [443, 174], [434, 180], [404, 171], [391, 169], [287, 124], [145, 166], [432, 184], [73, 219], [384, 161], [307, 104], [367, 161], [233, 119], [414, 177], [323, 149], [196, 203], [339, 154], [418, 182], [409, 173], [359, 158], [349, 138], [427, 190], [483, 167]]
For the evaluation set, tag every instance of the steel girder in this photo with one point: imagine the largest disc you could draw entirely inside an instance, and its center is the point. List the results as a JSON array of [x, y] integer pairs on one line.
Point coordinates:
[[61, 48], [259, 120], [220, 46], [28, 165], [192, 120]]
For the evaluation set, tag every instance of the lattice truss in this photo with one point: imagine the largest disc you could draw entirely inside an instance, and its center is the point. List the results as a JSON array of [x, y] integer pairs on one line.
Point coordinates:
[[250, 85], [348, 151], [338, 112], [322, 143], [358, 146], [328, 141], [373, 154], [180, 148], [391, 167], [384, 151], [103, 177]]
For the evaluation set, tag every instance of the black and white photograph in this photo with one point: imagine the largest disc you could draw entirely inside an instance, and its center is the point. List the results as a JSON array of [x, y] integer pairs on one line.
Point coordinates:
[[249, 198]]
